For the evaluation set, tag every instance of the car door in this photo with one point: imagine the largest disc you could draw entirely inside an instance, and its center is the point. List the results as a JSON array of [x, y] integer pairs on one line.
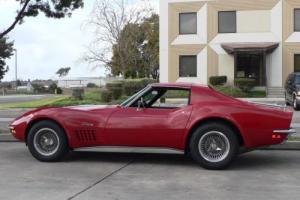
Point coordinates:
[[150, 126]]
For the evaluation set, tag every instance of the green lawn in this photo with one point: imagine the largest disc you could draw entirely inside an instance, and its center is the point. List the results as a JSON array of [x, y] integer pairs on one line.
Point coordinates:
[[90, 98]]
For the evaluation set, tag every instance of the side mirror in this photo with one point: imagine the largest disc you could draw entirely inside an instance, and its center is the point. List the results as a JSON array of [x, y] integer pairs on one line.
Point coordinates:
[[141, 104]]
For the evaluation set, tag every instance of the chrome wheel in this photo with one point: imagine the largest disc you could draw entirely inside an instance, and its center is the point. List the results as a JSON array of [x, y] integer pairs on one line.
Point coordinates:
[[46, 142], [214, 146]]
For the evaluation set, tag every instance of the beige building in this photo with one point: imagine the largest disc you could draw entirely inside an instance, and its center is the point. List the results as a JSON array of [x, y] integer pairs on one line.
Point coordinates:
[[257, 39]]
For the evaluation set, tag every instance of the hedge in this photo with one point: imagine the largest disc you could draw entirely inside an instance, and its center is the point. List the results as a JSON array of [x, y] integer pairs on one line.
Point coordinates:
[[116, 93], [106, 96], [114, 90], [217, 80], [78, 93], [132, 86], [245, 84]]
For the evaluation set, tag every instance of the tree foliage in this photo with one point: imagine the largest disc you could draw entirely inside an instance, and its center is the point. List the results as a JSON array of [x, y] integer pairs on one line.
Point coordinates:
[[6, 51], [52, 9], [32, 8], [63, 71], [122, 34], [140, 44]]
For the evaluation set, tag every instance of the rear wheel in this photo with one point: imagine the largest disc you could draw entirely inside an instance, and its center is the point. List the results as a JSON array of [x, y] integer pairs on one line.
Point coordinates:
[[214, 146], [47, 142]]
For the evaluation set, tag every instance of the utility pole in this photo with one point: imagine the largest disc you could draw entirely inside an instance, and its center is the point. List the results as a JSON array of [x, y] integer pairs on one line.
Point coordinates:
[[16, 68]]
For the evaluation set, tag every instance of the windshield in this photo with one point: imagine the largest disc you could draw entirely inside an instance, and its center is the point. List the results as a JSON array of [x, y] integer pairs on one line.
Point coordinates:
[[297, 80], [130, 99]]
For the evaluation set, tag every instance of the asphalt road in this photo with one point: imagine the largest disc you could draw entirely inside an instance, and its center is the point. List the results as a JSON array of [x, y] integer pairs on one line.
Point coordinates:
[[133, 176], [19, 98]]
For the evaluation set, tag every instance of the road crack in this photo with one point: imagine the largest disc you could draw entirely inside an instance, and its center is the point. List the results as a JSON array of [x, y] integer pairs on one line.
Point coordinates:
[[99, 181]]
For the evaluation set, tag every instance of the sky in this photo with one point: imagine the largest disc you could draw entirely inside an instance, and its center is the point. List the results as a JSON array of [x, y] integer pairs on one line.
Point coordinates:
[[44, 45]]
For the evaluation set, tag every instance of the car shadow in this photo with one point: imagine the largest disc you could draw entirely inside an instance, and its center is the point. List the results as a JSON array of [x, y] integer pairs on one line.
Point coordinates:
[[248, 161]]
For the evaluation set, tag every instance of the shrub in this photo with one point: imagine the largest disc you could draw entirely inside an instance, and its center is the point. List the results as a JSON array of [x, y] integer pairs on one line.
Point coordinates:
[[106, 96], [39, 88], [116, 93], [91, 85], [245, 84], [77, 93], [59, 90], [54, 89], [116, 89], [132, 86], [115, 84], [217, 80]]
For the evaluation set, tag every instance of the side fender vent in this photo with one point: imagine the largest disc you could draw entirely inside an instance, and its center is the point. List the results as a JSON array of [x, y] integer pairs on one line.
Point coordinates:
[[86, 136]]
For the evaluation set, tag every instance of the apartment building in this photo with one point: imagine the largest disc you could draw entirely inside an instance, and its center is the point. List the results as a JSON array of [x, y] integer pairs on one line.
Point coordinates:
[[258, 39]]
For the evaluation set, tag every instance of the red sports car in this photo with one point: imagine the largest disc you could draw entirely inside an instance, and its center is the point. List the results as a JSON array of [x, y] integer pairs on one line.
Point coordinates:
[[211, 127]]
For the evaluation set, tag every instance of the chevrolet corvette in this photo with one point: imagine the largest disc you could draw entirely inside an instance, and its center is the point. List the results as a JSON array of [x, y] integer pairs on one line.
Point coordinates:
[[210, 127]]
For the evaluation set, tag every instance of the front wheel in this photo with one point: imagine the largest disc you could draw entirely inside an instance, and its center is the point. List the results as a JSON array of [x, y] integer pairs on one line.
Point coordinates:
[[47, 141], [214, 146]]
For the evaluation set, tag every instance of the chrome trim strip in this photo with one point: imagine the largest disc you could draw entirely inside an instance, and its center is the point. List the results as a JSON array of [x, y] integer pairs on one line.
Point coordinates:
[[289, 131], [271, 105]]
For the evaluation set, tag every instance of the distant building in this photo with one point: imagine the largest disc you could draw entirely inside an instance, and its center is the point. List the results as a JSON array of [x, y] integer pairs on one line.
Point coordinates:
[[83, 81], [26, 88]]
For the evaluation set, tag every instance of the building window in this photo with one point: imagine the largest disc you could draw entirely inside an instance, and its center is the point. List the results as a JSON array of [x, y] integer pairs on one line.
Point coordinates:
[[297, 20], [227, 21], [297, 63], [188, 66], [188, 23]]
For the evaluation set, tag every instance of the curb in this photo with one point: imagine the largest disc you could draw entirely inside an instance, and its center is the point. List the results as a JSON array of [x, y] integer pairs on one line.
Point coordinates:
[[289, 145]]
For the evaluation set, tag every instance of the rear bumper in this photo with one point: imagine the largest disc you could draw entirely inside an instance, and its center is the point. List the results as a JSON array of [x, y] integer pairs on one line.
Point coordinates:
[[285, 131]]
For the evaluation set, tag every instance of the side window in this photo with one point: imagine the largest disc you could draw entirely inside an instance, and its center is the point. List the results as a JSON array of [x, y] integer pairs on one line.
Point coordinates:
[[297, 79], [188, 23], [148, 97], [227, 21], [292, 78], [164, 98], [297, 20], [188, 66], [172, 98], [297, 63]]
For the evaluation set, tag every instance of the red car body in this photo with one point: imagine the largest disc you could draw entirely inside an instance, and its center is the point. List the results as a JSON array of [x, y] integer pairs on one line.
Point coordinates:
[[87, 126]]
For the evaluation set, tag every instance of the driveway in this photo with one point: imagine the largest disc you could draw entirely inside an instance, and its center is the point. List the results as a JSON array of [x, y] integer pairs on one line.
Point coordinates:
[[102, 175]]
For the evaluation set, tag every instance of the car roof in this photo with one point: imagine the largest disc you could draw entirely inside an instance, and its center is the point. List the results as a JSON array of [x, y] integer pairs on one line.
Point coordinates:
[[178, 84]]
